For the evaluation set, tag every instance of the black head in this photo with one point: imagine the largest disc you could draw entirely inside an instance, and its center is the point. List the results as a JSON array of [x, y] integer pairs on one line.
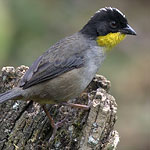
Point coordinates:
[[107, 20]]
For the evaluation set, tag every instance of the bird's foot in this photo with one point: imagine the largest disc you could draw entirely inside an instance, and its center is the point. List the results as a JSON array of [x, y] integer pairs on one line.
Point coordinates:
[[55, 128]]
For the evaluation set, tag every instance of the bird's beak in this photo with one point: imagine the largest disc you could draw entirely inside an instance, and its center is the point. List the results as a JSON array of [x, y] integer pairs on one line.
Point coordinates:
[[128, 30]]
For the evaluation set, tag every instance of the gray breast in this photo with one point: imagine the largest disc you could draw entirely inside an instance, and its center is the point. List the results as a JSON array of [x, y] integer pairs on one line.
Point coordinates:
[[95, 56]]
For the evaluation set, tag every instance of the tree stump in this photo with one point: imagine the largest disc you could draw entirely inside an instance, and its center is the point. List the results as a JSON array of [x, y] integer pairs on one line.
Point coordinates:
[[24, 125]]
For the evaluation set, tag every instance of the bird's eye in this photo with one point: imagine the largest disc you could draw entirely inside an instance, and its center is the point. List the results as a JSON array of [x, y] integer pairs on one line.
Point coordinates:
[[113, 24]]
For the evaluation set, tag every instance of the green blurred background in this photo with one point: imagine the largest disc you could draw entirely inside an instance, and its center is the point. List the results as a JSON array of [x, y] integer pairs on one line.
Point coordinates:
[[29, 27]]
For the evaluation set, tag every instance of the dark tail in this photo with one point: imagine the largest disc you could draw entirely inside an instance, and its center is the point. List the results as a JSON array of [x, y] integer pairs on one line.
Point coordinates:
[[13, 94]]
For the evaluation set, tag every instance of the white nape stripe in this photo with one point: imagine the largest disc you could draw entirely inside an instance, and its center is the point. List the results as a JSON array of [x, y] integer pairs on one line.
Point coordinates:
[[106, 9], [120, 12], [102, 9], [110, 8]]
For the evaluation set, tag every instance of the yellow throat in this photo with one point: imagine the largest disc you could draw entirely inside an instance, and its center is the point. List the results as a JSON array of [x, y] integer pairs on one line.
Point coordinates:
[[110, 40]]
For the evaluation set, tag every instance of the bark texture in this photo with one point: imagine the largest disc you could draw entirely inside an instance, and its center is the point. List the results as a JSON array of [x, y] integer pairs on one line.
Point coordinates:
[[24, 125]]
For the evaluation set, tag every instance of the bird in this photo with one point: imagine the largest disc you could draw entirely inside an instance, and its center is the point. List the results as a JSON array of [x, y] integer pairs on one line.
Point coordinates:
[[65, 70]]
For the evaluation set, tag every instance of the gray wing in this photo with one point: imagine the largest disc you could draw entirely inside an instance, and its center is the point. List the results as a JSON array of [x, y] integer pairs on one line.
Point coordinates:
[[51, 65]]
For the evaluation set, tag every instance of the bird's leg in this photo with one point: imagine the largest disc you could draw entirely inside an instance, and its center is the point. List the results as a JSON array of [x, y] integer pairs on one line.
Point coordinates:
[[85, 107], [54, 126], [81, 106], [49, 116]]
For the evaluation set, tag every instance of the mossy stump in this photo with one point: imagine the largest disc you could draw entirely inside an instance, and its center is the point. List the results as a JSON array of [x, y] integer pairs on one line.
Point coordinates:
[[24, 125]]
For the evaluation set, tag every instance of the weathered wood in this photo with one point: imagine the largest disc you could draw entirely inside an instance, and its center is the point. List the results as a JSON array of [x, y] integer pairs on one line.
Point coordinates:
[[24, 125]]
